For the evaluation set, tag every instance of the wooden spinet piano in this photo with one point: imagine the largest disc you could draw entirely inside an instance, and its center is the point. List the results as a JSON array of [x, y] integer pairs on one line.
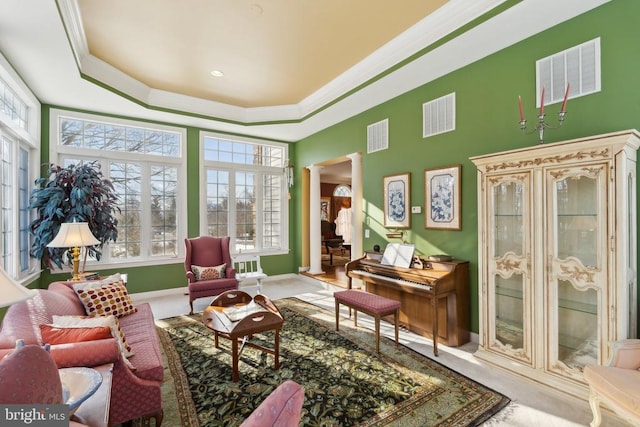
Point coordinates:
[[434, 296]]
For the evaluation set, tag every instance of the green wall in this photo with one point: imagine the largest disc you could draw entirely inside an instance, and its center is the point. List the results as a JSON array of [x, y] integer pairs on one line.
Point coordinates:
[[486, 122]]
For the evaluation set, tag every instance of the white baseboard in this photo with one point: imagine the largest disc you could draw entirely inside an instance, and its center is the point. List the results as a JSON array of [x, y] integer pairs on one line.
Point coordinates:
[[143, 296]]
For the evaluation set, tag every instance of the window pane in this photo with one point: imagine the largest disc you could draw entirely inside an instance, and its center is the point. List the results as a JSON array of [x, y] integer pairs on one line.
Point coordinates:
[[23, 206], [243, 153], [245, 211], [71, 132], [163, 210], [6, 198], [12, 106], [272, 218], [217, 203], [127, 182], [96, 135]]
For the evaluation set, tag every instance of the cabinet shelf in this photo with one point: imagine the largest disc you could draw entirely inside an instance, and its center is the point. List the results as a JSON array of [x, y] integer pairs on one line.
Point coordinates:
[[506, 292], [578, 306]]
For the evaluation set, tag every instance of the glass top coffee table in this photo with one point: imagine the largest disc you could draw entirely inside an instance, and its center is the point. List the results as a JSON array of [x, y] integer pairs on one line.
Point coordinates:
[[237, 316]]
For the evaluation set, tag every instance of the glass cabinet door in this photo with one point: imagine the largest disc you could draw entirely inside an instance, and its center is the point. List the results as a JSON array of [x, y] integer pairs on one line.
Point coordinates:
[[577, 244], [508, 247]]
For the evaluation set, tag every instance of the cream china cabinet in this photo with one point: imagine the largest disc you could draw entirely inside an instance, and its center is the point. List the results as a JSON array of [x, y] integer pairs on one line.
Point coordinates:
[[557, 256]]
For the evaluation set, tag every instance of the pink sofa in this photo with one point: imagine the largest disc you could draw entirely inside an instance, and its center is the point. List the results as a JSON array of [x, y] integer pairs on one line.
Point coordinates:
[[133, 393]]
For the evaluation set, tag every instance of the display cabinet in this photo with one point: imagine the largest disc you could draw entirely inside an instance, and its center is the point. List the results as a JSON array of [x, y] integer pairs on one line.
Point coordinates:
[[557, 256]]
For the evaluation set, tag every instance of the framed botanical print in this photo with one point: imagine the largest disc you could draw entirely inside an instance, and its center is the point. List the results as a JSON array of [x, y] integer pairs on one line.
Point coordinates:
[[325, 208], [396, 189], [442, 198]]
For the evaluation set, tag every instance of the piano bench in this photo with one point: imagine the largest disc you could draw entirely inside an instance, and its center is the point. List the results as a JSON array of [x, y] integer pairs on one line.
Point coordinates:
[[371, 304]]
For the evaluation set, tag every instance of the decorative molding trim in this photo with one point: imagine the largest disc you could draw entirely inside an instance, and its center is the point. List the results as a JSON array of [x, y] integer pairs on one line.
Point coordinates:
[[450, 38], [537, 161]]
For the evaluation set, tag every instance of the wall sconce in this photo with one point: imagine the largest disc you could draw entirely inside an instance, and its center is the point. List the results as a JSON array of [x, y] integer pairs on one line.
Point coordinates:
[[11, 292], [74, 235], [288, 173]]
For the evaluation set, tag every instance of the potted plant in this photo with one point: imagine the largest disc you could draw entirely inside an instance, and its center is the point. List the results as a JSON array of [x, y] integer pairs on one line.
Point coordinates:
[[73, 193]]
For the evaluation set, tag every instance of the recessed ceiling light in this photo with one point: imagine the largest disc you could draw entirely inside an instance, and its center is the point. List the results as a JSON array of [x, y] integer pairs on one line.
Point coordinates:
[[256, 9], [217, 73]]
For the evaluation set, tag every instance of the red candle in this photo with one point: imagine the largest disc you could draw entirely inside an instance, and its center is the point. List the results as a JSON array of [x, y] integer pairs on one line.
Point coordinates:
[[542, 102], [520, 107], [564, 101]]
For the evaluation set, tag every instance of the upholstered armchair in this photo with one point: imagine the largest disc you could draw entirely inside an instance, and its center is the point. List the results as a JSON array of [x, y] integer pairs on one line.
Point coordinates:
[[616, 384], [283, 407], [29, 374], [208, 267]]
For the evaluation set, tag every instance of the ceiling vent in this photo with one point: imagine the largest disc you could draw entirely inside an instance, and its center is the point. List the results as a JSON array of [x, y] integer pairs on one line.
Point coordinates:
[[439, 115], [378, 136]]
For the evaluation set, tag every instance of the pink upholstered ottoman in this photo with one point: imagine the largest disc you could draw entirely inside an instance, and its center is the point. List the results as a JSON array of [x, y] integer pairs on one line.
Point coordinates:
[[371, 304]]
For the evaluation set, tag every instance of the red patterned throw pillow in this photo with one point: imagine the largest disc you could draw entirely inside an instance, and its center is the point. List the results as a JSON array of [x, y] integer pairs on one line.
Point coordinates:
[[209, 273], [105, 299], [90, 322], [60, 335]]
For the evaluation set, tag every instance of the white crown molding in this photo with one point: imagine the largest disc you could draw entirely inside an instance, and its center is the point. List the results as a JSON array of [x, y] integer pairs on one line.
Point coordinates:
[[426, 32], [37, 45], [429, 30]]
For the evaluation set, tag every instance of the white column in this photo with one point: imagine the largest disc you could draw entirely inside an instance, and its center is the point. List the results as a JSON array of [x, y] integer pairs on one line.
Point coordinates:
[[356, 205], [315, 241]]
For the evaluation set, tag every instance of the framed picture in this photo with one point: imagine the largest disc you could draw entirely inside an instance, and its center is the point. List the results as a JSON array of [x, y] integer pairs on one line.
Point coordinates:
[[397, 200], [325, 208], [442, 198]]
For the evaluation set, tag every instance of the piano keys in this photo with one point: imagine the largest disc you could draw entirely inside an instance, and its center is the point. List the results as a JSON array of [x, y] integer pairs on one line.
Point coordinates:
[[434, 296]]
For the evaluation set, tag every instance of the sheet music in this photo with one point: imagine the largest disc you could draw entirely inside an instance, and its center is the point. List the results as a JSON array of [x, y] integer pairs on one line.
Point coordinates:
[[239, 312], [398, 255]]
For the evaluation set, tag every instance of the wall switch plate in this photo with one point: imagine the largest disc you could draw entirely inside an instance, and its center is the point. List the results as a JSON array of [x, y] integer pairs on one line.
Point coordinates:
[[366, 233], [416, 209]]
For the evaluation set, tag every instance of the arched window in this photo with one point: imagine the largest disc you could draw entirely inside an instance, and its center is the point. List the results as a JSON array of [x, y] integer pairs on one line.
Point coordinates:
[[342, 191]]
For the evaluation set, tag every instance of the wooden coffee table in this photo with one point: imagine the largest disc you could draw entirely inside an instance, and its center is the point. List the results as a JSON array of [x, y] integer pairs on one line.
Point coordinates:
[[237, 316]]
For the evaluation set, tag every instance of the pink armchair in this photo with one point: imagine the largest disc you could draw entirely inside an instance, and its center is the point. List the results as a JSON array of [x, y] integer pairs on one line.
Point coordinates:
[[208, 251], [283, 407], [616, 384], [29, 375]]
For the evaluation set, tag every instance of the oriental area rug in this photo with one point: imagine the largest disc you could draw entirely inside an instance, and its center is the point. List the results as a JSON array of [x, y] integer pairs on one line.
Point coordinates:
[[346, 383]]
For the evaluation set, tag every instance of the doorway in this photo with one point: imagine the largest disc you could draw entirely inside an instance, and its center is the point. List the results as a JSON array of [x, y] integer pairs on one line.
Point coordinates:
[[335, 252]]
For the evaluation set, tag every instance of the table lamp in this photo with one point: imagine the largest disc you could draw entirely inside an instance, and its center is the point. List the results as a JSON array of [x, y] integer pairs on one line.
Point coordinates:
[[74, 235], [11, 292]]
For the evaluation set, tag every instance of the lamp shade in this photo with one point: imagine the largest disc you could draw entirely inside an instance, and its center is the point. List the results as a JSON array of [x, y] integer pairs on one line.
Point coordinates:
[[11, 292], [74, 235]]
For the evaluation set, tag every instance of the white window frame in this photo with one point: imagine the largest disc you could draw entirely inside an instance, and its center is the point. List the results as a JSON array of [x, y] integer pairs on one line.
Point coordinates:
[[23, 135], [231, 168], [58, 152]]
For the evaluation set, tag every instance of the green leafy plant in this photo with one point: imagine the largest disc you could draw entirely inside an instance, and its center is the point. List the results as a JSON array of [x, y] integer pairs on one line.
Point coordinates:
[[74, 193]]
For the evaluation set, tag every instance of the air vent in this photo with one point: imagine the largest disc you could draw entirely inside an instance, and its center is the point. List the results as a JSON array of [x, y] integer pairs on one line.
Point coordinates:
[[579, 66], [378, 136], [439, 115]]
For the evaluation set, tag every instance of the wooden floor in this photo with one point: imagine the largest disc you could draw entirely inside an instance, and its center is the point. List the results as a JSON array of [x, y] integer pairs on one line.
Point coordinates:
[[333, 274]]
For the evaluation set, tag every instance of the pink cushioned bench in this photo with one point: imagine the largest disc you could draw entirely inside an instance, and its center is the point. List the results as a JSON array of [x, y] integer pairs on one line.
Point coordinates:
[[371, 304]]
